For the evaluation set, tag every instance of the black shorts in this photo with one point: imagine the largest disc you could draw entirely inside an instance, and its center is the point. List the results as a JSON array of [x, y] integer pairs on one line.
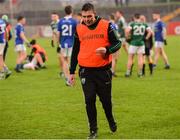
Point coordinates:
[[148, 47], [147, 51]]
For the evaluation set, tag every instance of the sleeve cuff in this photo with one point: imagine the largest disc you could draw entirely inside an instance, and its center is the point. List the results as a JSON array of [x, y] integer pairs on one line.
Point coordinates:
[[107, 51]]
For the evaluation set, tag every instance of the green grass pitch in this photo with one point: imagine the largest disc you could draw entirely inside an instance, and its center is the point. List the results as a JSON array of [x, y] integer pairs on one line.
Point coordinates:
[[37, 104]]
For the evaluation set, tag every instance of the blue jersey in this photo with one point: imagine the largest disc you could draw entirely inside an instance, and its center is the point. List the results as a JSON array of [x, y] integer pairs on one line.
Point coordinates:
[[114, 26], [158, 30], [2, 31], [18, 30], [67, 28]]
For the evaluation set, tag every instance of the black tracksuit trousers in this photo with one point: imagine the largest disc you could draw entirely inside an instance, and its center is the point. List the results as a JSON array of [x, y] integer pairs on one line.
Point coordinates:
[[97, 82]]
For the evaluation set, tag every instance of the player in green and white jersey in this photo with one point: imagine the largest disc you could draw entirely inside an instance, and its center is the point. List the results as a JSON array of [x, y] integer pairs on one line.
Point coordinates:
[[121, 29], [136, 31], [54, 41], [54, 23]]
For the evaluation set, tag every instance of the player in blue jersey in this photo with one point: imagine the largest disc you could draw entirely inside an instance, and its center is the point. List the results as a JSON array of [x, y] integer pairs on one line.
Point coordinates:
[[3, 73], [116, 54], [66, 28], [20, 39], [160, 40]]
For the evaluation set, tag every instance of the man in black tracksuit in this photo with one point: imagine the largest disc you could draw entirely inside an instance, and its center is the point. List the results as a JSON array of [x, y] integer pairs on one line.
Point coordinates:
[[94, 41]]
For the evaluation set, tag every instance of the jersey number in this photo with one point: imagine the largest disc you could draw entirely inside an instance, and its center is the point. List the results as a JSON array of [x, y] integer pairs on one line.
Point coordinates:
[[67, 30], [139, 30], [2, 29]]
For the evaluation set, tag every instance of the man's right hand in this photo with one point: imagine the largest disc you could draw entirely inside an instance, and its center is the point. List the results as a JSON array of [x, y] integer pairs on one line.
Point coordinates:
[[72, 79], [52, 43], [165, 42]]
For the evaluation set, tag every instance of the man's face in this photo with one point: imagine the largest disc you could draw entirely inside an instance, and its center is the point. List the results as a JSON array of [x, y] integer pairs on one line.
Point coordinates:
[[143, 18], [54, 17], [155, 16], [23, 21], [88, 17], [118, 14]]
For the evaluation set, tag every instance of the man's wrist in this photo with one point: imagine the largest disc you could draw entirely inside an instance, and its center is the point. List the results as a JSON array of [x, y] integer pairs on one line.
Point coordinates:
[[72, 72]]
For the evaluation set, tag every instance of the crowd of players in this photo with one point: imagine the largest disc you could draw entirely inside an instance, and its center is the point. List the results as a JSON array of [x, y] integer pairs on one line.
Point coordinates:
[[136, 38]]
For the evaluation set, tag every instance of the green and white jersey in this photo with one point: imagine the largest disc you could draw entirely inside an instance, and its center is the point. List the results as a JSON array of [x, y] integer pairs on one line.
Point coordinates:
[[54, 26], [121, 27], [138, 30]]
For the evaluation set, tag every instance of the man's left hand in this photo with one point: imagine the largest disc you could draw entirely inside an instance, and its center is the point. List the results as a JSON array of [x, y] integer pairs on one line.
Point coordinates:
[[101, 51]]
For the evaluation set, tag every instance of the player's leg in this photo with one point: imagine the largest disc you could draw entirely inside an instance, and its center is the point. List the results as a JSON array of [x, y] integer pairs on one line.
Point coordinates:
[[103, 80], [145, 55], [5, 51], [114, 63], [150, 61], [39, 59], [60, 61], [158, 46], [18, 64], [1, 58], [156, 57], [144, 64], [68, 54], [24, 54], [89, 90], [21, 56], [124, 45], [140, 64], [29, 66], [125, 48], [65, 66], [64, 55], [131, 51], [4, 73], [165, 58], [140, 52]]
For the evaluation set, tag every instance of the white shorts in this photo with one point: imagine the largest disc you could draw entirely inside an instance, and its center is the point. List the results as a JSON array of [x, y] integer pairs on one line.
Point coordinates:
[[2, 46], [66, 52], [159, 44], [136, 49], [20, 47]]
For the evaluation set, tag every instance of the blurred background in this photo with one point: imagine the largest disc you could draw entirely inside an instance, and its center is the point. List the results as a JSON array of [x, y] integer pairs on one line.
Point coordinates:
[[37, 12]]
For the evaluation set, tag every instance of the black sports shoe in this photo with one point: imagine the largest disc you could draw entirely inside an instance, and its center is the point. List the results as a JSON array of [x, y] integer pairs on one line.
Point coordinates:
[[140, 75], [113, 127], [8, 73], [92, 135], [61, 74], [18, 70], [167, 67], [114, 75], [127, 75]]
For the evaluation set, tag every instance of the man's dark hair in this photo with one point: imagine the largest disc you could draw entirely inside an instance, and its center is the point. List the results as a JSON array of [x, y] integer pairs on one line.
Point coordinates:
[[137, 16], [20, 18], [68, 9], [112, 17], [88, 7], [156, 12], [33, 42], [121, 12], [54, 13], [79, 14]]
